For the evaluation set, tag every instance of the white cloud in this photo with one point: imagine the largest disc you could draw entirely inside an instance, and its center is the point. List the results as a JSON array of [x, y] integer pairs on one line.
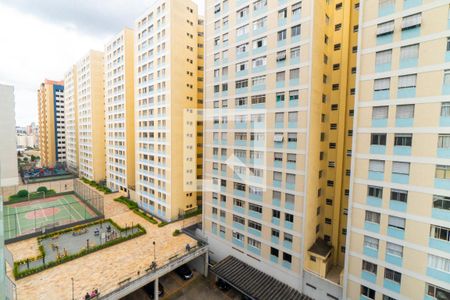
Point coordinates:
[[42, 39]]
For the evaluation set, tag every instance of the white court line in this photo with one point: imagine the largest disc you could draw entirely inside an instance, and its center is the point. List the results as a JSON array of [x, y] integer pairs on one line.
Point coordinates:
[[73, 209], [18, 223]]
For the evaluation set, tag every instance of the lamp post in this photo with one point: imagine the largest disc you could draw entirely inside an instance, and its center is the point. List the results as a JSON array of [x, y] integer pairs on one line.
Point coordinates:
[[154, 250]]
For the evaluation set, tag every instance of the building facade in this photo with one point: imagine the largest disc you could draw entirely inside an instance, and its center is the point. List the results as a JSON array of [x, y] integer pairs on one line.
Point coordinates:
[[52, 139], [168, 93], [91, 120], [71, 118], [280, 78], [399, 245], [119, 111]]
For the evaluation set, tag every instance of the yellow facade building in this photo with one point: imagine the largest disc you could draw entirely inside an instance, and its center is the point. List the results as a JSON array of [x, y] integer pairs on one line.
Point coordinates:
[[119, 111], [280, 78], [52, 141], [91, 116], [399, 244], [168, 89]]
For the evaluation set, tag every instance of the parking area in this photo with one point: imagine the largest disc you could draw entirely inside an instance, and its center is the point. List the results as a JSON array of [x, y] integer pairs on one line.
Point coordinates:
[[196, 288]]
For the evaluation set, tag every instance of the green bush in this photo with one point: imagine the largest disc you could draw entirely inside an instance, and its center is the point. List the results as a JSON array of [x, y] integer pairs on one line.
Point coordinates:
[[42, 189], [176, 232], [135, 208], [22, 193], [162, 224]]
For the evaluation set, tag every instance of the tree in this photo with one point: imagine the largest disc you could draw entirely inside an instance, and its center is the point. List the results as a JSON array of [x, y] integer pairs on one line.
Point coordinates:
[[42, 189]]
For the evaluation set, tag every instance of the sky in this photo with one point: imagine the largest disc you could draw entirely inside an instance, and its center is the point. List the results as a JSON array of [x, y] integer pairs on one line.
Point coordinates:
[[43, 39]]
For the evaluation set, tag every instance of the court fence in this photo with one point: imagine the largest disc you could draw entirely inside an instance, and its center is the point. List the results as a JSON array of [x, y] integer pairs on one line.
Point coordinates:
[[90, 197]]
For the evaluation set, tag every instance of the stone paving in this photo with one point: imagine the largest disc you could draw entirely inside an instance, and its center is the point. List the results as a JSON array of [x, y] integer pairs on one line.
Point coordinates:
[[102, 270]]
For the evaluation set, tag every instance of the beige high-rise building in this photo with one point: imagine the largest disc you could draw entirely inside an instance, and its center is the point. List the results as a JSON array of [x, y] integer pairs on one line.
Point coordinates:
[[91, 116], [399, 245], [52, 140], [71, 119], [278, 133], [119, 111], [168, 91]]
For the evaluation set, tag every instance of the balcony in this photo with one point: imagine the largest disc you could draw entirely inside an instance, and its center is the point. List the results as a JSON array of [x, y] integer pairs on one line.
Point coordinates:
[[400, 178], [410, 33], [407, 4], [379, 123], [439, 244], [369, 276], [443, 152], [406, 122], [275, 221], [288, 225], [381, 95], [275, 239], [276, 202], [374, 201], [238, 226], [254, 250], [286, 264], [395, 232], [402, 150], [444, 122], [239, 243], [438, 274], [409, 92], [370, 252], [373, 227], [443, 184], [274, 259], [254, 231], [394, 259], [379, 176], [377, 149], [391, 285], [287, 244], [408, 63], [379, 68], [441, 214], [385, 39], [386, 10], [397, 205]]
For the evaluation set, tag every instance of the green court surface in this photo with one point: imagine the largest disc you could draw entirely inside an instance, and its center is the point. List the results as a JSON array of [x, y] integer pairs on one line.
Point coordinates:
[[27, 217]]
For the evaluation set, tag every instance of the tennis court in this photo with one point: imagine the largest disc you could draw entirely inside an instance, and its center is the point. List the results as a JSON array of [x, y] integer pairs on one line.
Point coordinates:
[[38, 215]]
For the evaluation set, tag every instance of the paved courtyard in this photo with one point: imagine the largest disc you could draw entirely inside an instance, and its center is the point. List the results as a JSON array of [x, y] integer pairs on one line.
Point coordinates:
[[105, 269]]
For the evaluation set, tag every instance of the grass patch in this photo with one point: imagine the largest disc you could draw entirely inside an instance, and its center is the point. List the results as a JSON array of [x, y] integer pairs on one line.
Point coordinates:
[[97, 186]]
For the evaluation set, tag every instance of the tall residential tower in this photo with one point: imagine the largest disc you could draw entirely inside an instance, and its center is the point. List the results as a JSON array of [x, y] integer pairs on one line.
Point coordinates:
[[71, 119], [91, 116], [168, 93], [399, 245], [278, 119], [52, 140], [119, 111]]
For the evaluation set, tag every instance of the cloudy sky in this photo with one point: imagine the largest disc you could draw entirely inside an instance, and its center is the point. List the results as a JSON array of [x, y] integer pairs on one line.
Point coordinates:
[[42, 39]]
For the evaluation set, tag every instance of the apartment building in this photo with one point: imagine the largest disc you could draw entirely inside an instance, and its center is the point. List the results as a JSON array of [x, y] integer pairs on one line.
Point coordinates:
[[52, 139], [119, 111], [71, 119], [168, 93], [91, 112], [280, 78], [399, 244]]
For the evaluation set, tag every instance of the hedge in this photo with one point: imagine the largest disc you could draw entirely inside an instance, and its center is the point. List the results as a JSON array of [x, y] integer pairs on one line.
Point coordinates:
[[83, 252], [135, 208], [31, 196], [97, 186]]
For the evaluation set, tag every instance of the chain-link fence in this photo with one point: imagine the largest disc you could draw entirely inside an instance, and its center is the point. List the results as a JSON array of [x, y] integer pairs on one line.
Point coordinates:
[[90, 197]]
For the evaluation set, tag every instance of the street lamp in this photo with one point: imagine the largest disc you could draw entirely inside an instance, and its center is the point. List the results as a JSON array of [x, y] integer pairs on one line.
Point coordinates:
[[73, 293], [154, 250]]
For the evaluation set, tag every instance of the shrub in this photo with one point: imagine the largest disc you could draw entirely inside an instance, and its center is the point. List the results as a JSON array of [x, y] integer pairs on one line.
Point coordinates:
[[176, 232], [22, 193], [42, 189], [162, 224]]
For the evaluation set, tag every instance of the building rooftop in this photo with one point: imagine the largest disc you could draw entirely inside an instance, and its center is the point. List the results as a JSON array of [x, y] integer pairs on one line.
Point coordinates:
[[320, 247], [105, 269]]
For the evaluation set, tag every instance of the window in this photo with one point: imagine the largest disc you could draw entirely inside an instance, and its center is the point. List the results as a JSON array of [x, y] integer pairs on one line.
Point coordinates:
[[393, 275], [242, 30], [259, 80], [405, 111], [376, 165], [411, 21], [440, 233], [369, 267], [385, 3], [383, 57], [378, 139], [288, 237], [238, 236], [372, 216], [254, 225], [260, 23], [280, 76], [274, 252], [400, 168], [243, 12], [382, 84], [369, 293], [407, 81], [282, 14], [281, 56], [281, 35], [375, 191], [293, 116], [255, 208], [442, 172], [242, 83], [238, 203], [278, 137], [292, 137], [437, 293], [259, 4], [447, 77], [409, 52], [441, 202], [394, 249], [293, 95], [403, 139], [380, 112], [287, 257], [242, 48], [297, 9], [439, 263], [444, 141], [371, 242], [385, 28], [399, 195], [396, 222], [294, 74], [295, 31], [445, 109], [262, 42]]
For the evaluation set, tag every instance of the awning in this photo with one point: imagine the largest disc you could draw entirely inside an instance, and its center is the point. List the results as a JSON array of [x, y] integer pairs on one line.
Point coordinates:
[[254, 283]]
